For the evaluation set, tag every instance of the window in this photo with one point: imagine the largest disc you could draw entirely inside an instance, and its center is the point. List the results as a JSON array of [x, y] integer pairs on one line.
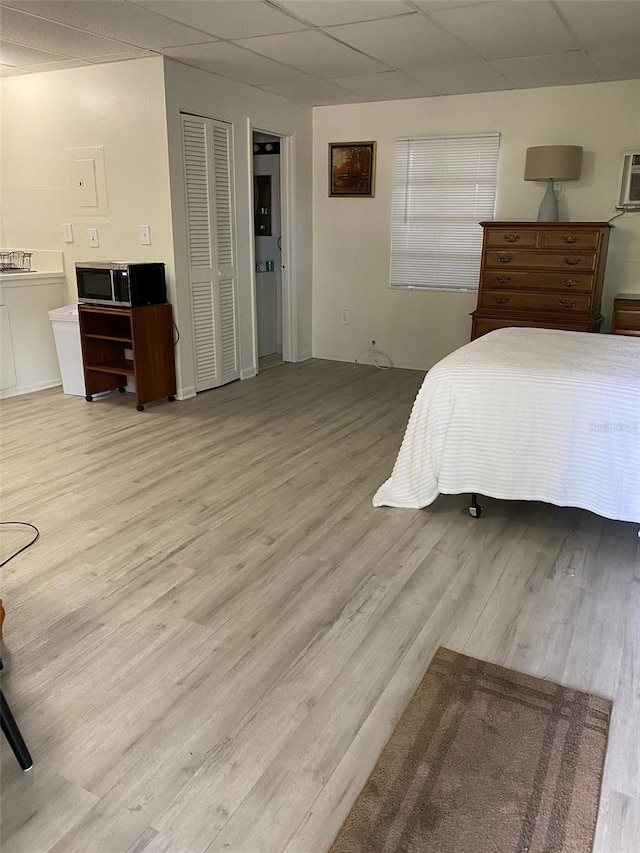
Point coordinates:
[[443, 187]]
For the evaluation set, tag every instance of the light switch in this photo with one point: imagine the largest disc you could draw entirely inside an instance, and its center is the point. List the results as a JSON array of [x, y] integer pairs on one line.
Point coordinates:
[[145, 235], [94, 242], [67, 232]]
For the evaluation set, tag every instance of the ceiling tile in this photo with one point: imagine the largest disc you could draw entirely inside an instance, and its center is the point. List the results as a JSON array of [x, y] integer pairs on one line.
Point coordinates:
[[11, 71], [58, 66], [390, 85], [616, 64], [323, 14], [18, 54], [315, 53], [410, 41], [228, 19], [313, 92], [122, 56], [232, 61], [560, 69], [462, 79], [611, 23], [113, 19], [30, 31], [508, 29]]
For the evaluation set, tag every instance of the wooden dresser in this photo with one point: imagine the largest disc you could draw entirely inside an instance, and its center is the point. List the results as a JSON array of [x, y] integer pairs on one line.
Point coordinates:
[[626, 314], [542, 274]]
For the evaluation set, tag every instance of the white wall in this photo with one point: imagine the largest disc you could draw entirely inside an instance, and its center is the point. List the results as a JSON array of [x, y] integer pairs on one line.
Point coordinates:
[[133, 110], [351, 236], [193, 91], [118, 105]]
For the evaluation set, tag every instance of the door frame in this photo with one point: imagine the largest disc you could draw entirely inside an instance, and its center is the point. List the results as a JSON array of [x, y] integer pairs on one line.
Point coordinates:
[[288, 255]]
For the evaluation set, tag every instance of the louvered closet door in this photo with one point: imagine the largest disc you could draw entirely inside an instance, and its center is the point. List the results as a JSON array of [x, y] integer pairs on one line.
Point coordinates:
[[209, 186]]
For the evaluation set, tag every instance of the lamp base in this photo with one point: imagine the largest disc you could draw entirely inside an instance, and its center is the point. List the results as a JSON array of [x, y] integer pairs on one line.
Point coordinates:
[[549, 207]]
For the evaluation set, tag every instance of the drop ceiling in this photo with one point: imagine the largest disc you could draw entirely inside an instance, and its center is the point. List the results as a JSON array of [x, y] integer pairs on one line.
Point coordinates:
[[323, 52]]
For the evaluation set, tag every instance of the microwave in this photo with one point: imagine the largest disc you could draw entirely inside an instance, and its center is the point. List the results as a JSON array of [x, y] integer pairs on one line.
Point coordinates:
[[119, 283]]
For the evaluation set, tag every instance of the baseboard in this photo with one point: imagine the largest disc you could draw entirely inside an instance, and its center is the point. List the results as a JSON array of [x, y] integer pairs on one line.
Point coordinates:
[[248, 373], [30, 389], [305, 356], [404, 365], [186, 393]]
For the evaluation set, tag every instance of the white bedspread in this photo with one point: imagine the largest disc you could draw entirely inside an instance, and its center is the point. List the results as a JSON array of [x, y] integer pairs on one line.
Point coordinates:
[[527, 414]]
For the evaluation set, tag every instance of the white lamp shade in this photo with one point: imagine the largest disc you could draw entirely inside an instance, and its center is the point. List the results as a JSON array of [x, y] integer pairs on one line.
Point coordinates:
[[553, 162]]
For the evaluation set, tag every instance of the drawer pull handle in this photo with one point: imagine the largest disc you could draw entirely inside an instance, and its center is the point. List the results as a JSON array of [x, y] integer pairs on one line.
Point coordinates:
[[569, 282], [505, 259], [572, 261], [501, 300], [567, 303], [512, 238], [570, 238], [503, 279]]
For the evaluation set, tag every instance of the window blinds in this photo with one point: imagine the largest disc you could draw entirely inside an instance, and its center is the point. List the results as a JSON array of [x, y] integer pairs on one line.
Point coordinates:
[[443, 186]]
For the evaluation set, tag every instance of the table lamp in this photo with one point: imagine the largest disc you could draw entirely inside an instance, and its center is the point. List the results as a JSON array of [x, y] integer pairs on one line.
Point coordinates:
[[552, 163]]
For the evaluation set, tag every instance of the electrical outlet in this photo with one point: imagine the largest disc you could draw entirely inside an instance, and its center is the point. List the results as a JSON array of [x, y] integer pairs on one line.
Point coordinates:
[[345, 316], [94, 241], [67, 232]]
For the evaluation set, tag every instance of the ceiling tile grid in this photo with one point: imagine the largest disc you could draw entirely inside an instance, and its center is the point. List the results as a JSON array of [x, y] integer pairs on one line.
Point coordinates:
[[338, 51]]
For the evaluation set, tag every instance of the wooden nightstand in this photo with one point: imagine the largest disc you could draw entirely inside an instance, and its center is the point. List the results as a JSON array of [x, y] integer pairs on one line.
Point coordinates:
[[626, 314]]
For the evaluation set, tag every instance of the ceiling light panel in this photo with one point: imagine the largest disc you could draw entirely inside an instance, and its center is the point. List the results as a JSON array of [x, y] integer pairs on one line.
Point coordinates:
[[114, 19], [321, 13], [508, 29], [315, 53], [410, 41], [228, 19]]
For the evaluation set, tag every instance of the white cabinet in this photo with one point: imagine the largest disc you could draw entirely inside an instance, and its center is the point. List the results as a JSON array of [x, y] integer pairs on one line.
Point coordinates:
[[29, 361]]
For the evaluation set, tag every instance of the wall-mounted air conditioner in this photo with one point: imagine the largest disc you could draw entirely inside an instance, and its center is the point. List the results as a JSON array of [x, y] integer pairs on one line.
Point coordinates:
[[629, 189]]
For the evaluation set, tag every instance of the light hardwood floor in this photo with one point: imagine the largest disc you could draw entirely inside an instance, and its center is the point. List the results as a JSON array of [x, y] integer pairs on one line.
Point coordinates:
[[216, 632]]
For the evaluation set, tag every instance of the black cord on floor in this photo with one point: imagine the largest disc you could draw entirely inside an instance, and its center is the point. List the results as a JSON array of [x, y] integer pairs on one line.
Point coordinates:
[[24, 547]]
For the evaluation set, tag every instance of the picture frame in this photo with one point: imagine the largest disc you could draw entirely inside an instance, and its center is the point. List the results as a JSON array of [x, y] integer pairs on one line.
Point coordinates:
[[352, 168]]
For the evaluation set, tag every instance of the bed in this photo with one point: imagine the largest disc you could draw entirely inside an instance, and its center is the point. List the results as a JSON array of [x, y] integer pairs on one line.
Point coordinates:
[[527, 414]]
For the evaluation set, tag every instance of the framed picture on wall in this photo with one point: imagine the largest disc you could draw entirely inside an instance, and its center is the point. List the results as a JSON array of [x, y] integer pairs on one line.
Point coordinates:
[[352, 167]]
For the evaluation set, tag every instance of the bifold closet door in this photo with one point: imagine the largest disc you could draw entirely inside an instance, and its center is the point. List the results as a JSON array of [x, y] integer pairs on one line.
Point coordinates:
[[211, 246]]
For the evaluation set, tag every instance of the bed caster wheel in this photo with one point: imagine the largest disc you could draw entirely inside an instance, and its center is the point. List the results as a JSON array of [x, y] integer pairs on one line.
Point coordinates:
[[171, 398], [475, 511], [140, 407], [88, 398], [122, 389]]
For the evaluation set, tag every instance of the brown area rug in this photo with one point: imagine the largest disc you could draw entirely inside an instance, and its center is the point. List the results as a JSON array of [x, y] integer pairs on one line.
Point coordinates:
[[484, 760]]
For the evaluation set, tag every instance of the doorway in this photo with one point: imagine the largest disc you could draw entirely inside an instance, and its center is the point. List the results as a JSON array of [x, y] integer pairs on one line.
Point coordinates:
[[267, 209]]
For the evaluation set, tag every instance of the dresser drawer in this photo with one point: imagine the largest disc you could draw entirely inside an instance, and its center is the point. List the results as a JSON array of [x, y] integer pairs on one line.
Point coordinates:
[[543, 302], [524, 238], [507, 258], [626, 315], [482, 325], [570, 240], [562, 282]]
